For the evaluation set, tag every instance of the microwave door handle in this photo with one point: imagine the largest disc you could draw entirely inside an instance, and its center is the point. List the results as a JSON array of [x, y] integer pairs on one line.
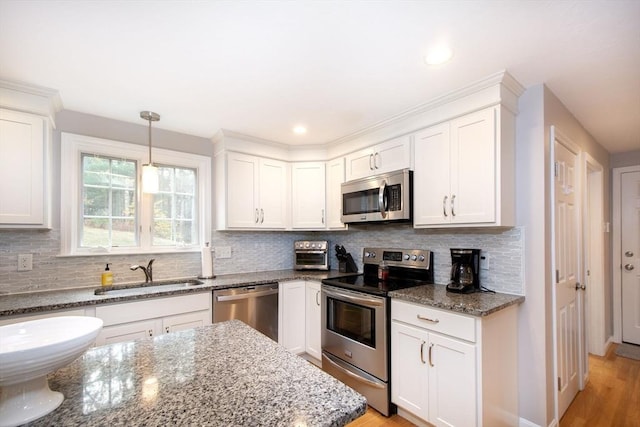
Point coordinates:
[[382, 199]]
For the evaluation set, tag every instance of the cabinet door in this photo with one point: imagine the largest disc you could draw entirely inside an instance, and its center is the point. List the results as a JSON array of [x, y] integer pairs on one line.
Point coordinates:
[[273, 194], [181, 322], [409, 369], [291, 322], [129, 331], [22, 169], [335, 177], [431, 182], [473, 168], [393, 155], [313, 321], [360, 164], [452, 382], [308, 195], [242, 181]]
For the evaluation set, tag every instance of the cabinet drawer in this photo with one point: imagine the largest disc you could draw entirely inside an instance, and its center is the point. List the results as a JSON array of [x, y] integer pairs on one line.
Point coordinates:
[[152, 308], [442, 321]]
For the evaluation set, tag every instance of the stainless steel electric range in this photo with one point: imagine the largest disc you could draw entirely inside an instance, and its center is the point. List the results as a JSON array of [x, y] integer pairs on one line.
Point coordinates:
[[356, 320]]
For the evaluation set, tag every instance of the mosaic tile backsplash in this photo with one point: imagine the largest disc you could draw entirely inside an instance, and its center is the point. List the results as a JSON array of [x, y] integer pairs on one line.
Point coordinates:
[[256, 251]]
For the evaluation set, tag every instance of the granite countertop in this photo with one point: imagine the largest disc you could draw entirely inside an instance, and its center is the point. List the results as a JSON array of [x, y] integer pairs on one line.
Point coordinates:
[[226, 374], [35, 302], [476, 304]]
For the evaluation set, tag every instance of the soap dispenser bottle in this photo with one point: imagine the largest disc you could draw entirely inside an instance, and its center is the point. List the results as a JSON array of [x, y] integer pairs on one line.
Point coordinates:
[[107, 276]]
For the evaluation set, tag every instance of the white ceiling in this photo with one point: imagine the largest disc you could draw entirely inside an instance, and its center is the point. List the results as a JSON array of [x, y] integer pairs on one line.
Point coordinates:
[[261, 67]]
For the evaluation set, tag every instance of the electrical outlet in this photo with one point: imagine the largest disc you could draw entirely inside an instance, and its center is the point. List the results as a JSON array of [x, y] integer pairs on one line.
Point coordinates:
[[223, 252], [485, 262], [25, 262]]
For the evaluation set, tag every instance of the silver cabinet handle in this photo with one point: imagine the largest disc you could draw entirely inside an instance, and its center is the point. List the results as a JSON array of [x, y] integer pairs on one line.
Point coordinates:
[[317, 299], [444, 206], [166, 329], [323, 216], [382, 200], [427, 319], [628, 254], [261, 216], [629, 267], [150, 332], [422, 352], [257, 216], [375, 160], [453, 205], [371, 161], [430, 360]]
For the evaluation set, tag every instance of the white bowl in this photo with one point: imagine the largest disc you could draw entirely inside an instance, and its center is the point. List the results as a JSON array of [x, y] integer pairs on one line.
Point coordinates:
[[29, 351]]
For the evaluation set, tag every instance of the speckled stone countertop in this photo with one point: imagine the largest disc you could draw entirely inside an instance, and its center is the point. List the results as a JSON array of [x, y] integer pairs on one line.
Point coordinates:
[[35, 302], [476, 304], [226, 374]]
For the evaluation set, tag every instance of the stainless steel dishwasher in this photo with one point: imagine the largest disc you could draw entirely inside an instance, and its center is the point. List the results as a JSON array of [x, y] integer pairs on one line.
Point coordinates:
[[257, 306]]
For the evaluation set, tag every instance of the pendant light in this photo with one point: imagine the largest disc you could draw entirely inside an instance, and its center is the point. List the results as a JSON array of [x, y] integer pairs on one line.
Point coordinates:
[[149, 171]]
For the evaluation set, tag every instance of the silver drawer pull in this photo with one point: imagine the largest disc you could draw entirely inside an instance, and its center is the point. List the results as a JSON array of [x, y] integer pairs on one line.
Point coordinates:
[[427, 319]]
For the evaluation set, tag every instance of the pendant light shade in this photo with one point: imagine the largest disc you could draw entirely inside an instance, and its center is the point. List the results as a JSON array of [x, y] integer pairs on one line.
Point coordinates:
[[150, 178]]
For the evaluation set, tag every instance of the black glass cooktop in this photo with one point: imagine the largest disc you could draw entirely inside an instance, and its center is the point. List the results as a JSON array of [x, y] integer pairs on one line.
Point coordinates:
[[371, 285]]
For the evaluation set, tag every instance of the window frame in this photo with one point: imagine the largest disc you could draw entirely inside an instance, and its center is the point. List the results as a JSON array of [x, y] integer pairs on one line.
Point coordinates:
[[72, 147]]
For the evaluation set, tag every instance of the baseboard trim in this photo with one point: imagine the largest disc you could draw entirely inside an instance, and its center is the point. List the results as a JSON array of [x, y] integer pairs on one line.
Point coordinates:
[[526, 423]]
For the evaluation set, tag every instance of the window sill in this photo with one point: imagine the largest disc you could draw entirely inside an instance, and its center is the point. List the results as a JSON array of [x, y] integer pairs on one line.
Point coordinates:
[[106, 252]]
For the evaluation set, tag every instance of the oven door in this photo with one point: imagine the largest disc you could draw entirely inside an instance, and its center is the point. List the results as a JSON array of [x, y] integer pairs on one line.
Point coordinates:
[[311, 260], [354, 329]]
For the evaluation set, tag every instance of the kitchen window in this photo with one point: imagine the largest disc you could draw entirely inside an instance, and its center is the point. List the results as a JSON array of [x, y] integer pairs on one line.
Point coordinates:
[[103, 209]]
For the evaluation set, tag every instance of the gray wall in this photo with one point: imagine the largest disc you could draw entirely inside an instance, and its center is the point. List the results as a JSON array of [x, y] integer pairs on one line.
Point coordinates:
[[630, 158], [251, 251]]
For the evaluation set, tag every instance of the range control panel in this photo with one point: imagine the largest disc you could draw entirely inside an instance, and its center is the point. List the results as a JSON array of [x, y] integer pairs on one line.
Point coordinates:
[[411, 258]]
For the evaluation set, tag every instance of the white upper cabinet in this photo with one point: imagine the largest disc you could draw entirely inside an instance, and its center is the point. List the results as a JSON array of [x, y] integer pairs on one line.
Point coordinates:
[[388, 156], [308, 195], [24, 170], [251, 192], [464, 171], [335, 177]]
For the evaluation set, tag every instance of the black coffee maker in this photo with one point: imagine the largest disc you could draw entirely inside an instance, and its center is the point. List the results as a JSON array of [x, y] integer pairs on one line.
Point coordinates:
[[465, 266]]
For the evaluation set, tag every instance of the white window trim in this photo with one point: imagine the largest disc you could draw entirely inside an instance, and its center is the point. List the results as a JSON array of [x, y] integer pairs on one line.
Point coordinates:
[[70, 172]]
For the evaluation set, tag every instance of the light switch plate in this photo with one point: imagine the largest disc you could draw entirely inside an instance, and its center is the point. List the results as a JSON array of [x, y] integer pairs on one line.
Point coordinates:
[[485, 262], [222, 252]]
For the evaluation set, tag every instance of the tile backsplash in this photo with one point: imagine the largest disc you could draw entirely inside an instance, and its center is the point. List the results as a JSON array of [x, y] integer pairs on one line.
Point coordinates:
[[256, 251]]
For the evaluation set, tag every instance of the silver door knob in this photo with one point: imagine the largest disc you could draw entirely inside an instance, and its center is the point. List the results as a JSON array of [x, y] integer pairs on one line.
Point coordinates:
[[579, 286], [628, 254], [629, 267]]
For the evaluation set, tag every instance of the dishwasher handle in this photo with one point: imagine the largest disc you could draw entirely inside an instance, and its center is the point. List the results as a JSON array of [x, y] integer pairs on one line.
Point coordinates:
[[252, 294]]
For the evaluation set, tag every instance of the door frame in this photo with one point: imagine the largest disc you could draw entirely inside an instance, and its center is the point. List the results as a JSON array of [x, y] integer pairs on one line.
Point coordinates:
[[616, 258], [556, 134], [593, 266]]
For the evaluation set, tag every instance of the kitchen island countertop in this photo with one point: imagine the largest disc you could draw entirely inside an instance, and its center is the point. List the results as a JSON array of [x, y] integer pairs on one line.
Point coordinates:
[[476, 304], [226, 374]]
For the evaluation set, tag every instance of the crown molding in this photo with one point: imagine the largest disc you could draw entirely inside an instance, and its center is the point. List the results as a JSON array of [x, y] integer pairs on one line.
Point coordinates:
[[30, 98]]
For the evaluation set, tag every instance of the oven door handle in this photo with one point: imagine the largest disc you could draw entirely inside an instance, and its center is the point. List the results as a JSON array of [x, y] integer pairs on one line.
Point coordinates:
[[351, 374], [357, 299]]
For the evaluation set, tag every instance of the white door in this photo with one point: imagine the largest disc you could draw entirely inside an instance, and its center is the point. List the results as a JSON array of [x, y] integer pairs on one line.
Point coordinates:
[[273, 194], [313, 321], [291, 315], [307, 195], [242, 181], [335, 177], [566, 227], [630, 226]]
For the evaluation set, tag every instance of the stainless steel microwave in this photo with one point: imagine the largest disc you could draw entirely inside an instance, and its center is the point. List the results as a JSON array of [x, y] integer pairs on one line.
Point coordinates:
[[385, 197]]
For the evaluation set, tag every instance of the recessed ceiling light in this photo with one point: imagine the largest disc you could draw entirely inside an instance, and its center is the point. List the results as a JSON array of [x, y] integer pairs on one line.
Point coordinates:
[[438, 55], [299, 130]]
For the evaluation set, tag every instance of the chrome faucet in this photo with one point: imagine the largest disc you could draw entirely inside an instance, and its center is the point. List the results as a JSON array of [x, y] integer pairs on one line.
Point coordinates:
[[148, 272]]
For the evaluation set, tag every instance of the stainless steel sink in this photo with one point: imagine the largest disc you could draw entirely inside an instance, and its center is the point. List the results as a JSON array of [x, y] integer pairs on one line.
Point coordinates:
[[131, 288]]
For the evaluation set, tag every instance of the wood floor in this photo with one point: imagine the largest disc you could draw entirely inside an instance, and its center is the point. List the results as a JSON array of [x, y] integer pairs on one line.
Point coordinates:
[[610, 399]]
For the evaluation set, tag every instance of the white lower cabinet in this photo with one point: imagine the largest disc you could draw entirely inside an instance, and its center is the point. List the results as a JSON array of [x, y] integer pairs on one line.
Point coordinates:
[[452, 369], [139, 319], [291, 315], [313, 321], [299, 317], [25, 318]]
